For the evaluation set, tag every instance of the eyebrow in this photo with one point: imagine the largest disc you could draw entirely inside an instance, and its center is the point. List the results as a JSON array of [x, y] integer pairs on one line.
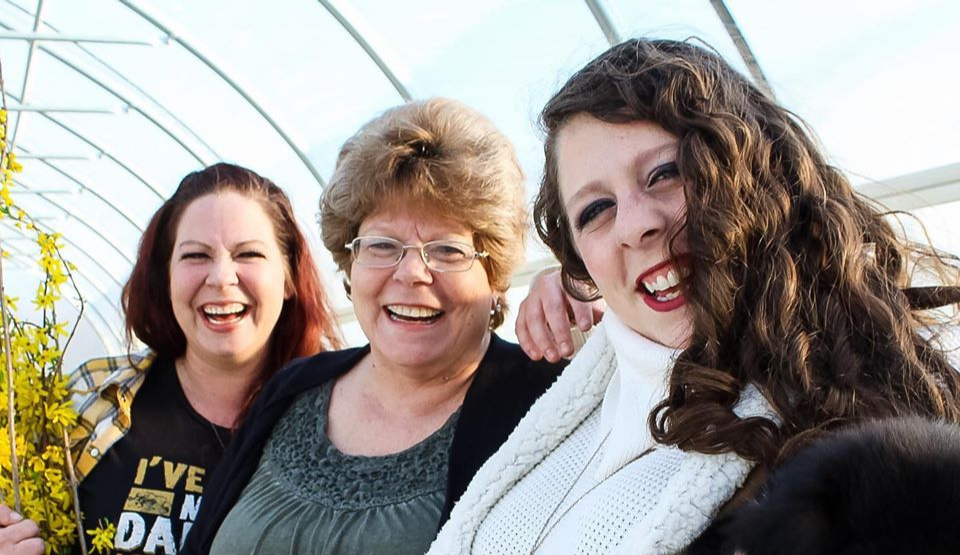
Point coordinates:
[[240, 245]]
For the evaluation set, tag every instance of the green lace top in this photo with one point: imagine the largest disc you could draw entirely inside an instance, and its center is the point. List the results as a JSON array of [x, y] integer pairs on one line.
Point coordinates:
[[308, 497]]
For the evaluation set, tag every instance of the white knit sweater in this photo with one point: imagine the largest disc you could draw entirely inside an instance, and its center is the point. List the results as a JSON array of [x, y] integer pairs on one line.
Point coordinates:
[[570, 475]]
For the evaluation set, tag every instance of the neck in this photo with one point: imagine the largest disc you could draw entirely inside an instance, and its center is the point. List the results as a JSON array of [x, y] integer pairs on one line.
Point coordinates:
[[216, 389], [419, 390]]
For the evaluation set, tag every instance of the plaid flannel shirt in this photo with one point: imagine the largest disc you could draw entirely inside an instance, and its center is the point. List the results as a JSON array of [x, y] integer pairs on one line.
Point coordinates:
[[102, 391]]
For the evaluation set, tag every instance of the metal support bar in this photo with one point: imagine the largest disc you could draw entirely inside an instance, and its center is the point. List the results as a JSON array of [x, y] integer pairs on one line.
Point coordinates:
[[31, 263], [920, 189], [67, 240], [83, 157], [68, 109], [31, 52], [103, 151], [56, 37], [76, 181], [604, 21], [242, 91], [369, 49], [733, 30]]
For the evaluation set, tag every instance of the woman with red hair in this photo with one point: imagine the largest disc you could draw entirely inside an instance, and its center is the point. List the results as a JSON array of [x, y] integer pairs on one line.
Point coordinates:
[[224, 292]]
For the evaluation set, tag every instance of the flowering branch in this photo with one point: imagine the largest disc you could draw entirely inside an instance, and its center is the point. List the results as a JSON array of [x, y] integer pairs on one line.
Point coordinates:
[[11, 408], [39, 413]]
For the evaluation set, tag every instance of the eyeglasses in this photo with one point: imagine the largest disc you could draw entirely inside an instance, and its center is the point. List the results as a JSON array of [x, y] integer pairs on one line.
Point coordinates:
[[442, 256]]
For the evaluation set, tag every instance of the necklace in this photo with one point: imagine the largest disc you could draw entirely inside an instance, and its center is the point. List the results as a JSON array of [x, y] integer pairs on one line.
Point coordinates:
[[545, 530], [216, 434], [181, 369]]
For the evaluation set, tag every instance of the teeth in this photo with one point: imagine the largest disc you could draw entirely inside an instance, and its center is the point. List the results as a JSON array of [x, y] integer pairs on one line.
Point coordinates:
[[223, 310], [668, 296], [664, 282], [412, 311]]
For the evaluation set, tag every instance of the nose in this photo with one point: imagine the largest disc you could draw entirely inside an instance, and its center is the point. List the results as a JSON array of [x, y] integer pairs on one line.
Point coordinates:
[[412, 268], [223, 272], [641, 221]]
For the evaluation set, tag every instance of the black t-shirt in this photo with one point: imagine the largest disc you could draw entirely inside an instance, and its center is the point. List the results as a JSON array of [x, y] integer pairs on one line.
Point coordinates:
[[149, 484]]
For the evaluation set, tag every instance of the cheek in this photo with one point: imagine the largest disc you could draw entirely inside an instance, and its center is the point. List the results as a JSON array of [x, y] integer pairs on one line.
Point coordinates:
[[182, 283], [595, 256]]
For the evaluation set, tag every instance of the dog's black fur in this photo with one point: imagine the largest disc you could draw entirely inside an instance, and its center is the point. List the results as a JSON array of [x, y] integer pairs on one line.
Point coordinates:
[[888, 487]]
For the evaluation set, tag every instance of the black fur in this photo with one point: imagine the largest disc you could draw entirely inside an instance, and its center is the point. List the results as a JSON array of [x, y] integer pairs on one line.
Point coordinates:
[[888, 487]]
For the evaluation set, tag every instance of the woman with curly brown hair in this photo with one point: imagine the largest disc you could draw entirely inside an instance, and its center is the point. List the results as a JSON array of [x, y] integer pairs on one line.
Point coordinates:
[[754, 302]]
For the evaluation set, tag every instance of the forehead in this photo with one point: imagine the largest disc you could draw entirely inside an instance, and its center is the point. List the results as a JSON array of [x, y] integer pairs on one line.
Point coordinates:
[[227, 215], [408, 219], [589, 150]]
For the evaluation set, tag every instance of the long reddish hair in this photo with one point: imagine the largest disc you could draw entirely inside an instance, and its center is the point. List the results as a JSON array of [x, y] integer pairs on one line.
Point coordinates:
[[306, 324]]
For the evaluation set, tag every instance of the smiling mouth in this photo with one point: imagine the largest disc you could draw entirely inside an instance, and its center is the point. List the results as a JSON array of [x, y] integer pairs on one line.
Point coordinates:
[[413, 314], [220, 315], [664, 282]]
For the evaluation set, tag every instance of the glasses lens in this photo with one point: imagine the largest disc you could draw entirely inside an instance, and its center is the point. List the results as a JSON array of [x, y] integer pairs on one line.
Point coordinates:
[[449, 256], [377, 251]]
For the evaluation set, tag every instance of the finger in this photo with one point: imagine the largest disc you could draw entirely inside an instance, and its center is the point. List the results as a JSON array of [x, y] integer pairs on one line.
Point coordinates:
[[582, 313], [598, 307], [19, 533], [557, 320], [8, 516], [541, 335], [31, 546], [523, 335]]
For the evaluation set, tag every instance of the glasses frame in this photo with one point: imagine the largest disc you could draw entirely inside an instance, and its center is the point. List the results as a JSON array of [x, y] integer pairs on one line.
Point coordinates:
[[352, 247]]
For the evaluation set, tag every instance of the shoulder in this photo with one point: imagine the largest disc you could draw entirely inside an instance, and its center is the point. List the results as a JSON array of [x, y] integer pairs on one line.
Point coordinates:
[[507, 361], [307, 372], [98, 373]]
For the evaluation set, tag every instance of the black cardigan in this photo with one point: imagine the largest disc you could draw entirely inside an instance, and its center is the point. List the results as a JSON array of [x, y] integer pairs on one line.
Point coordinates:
[[505, 385]]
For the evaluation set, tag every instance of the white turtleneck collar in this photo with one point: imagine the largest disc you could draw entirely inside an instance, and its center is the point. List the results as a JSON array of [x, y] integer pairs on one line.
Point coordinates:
[[639, 383]]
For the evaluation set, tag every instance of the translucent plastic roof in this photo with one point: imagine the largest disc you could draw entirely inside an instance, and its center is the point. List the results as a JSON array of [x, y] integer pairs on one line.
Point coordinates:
[[118, 99]]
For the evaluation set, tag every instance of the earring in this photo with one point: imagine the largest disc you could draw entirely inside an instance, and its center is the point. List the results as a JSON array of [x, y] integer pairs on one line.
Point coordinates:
[[497, 307]]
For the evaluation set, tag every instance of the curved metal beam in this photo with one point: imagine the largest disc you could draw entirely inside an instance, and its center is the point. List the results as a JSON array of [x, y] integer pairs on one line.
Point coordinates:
[[31, 52], [165, 129], [83, 222], [156, 103], [194, 136], [92, 192], [79, 273], [604, 21], [746, 54], [96, 263], [132, 105], [369, 49], [104, 151], [154, 20], [105, 323]]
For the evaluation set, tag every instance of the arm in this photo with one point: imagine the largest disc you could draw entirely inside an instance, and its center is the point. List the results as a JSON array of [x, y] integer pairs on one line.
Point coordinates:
[[18, 536], [544, 317]]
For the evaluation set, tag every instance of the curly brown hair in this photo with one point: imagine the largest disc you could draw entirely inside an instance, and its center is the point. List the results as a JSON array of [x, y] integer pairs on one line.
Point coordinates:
[[445, 156], [783, 294]]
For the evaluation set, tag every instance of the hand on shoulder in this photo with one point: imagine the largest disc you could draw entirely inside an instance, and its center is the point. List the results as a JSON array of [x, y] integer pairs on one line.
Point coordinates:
[[545, 317]]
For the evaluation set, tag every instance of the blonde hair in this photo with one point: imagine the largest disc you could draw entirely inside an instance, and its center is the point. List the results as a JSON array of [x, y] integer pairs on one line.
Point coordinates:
[[440, 154]]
